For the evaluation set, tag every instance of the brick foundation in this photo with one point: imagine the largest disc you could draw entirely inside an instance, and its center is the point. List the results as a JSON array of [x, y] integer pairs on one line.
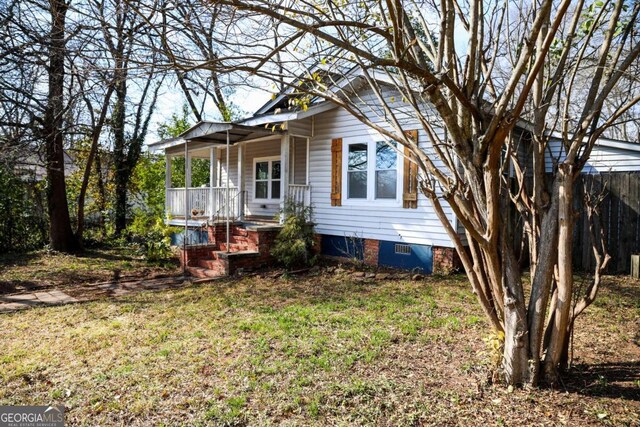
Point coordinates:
[[371, 250], [317, 244], [445, 260]]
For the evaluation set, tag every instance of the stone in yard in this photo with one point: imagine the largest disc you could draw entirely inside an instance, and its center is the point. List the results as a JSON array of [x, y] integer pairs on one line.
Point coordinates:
[[20, 298], [382, 276], [369, 275], [417, 277], [358, 274], [12, 306]]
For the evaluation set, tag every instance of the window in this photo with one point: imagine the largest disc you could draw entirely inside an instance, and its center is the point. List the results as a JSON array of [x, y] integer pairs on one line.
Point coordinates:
[[267, 179], [386, 170], [357, 171], [372, 171]]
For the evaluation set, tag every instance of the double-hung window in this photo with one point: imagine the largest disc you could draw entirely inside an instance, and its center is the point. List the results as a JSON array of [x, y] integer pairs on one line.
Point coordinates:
[[372, 171], [267, 179]]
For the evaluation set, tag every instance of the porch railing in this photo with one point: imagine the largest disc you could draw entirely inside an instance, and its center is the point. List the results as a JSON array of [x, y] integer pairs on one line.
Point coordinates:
[[204, 202], [299, 194]]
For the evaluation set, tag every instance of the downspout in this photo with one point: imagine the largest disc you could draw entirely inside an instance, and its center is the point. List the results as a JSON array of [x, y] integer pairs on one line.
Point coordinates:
[[227, 196]]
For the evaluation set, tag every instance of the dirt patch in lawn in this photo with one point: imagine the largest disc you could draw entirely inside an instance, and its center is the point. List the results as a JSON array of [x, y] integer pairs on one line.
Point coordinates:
[[321, 349]]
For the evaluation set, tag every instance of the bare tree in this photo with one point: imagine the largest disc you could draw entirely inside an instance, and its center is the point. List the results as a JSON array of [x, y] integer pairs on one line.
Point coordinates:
[[125, 31], [190, 30], [34, 104], [530, 74]]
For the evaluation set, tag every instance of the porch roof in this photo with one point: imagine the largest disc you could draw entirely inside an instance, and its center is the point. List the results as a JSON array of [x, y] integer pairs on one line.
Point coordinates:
[[214, 133]]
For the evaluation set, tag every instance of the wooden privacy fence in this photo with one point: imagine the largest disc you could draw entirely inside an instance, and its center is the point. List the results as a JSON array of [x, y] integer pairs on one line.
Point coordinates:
[[620, 212]]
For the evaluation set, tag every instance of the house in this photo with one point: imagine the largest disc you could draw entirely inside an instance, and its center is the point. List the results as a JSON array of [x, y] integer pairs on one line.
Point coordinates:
[[363, 192]]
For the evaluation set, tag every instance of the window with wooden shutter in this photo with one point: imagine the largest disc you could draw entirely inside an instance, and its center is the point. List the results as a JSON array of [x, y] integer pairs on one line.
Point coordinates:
[[336, 172], [410, 182]]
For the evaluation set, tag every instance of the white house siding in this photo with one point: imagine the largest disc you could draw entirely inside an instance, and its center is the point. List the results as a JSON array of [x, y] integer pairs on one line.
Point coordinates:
[[233, 166], [302, 127], [253, 150], [372, 220], [604, 159], [299, 159]]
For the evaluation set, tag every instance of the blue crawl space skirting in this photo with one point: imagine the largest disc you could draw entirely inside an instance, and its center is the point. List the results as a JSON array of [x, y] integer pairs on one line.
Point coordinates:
[[390, 254], [194, 237], [343, 246], [406, 256]]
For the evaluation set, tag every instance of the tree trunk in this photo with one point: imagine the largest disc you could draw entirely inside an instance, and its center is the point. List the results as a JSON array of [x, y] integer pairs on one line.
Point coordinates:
[[102, 196], [95, 141], [61, 236], [120, 156], [560, 325], [120, 204], [515, 361], [541, 282]]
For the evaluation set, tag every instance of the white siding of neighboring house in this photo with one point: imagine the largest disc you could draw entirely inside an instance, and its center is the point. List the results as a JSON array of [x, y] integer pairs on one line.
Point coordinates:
[[603, 159], [368, 219]]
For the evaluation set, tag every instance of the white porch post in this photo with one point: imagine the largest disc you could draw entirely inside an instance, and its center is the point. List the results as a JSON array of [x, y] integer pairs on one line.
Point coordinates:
[[285, 148], [239, 201], [213, 175], [307, 160], [167, 185], [187, 182], [307, 201]]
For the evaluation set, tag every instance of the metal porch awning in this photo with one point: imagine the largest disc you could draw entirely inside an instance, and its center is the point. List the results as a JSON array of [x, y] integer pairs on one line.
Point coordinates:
[[213, 133]]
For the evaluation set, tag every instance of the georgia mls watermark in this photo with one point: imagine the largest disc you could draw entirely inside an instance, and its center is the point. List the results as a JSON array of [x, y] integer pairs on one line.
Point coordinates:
[[31, 416]]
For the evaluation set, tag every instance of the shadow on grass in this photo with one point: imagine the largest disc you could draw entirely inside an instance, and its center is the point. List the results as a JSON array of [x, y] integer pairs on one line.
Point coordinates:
[[613, 380], [14, 286], [15, 258], [624, 287]]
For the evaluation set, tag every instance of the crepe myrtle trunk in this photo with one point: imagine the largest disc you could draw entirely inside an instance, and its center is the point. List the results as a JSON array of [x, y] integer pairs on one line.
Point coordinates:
[[61, 237], [530, 351]]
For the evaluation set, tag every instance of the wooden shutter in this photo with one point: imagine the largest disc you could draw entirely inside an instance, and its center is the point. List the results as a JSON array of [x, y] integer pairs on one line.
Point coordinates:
[[336, 172], [410, 182]]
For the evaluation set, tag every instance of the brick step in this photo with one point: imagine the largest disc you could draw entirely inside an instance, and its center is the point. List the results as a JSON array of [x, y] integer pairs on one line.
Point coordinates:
[[240, 232], [233, 247], [212, 264], [241, 239], [203, 273]]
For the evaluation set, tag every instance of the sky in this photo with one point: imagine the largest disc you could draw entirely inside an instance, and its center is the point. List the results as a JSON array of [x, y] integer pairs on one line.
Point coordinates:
[[172, 99]]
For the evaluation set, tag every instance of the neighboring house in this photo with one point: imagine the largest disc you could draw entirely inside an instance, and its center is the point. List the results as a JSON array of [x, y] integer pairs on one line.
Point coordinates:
[[363, 193]]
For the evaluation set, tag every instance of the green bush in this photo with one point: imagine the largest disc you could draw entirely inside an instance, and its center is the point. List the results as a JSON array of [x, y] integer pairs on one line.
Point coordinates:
[[24, 223], [152, 236], [294, 245]]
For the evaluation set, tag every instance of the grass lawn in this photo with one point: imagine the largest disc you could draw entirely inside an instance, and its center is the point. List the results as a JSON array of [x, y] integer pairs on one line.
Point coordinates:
[[41, 270], [314, 350]]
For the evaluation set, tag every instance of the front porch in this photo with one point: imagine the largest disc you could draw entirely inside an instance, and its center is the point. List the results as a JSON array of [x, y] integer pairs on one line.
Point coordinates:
[[218, 172]]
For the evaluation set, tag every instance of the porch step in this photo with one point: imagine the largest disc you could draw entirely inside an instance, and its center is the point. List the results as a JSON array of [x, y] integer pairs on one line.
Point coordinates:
[[203, 273], [214, 264], [240, 232], [234, 247]]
